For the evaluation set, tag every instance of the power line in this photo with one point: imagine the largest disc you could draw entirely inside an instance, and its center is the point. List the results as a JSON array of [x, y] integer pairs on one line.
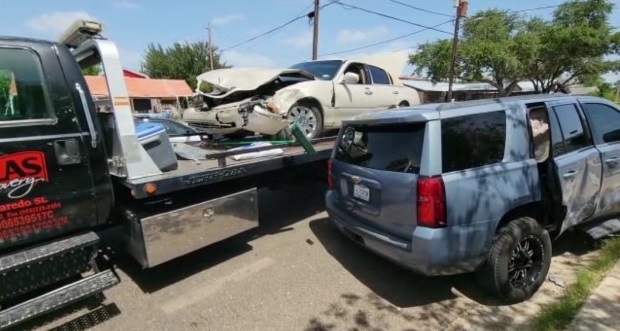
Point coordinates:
[[420, 9], [388, 40], [536, 8], [387, 16], [297, 18]]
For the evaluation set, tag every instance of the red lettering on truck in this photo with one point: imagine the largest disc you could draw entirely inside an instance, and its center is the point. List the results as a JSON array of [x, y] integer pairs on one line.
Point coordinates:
[[20, 172]]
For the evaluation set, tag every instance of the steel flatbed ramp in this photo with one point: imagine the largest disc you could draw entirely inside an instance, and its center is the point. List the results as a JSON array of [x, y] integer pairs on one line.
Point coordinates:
[[195, 173]]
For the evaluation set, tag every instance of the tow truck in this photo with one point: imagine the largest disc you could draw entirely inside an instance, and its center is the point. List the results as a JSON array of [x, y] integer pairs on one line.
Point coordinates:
[[69, 171]]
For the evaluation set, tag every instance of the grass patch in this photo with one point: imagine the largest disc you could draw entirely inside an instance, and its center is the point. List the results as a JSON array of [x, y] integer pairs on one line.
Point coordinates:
[[557, 315]]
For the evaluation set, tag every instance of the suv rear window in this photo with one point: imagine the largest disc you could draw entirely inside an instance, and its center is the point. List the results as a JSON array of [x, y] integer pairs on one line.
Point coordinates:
[[473, 141], [396, 148]]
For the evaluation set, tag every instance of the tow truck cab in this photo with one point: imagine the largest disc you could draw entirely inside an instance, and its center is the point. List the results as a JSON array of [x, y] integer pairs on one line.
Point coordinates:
[[55, 188]]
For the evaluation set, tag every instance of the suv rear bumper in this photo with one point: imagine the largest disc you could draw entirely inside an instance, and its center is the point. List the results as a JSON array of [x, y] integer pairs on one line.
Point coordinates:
[[431, 252]]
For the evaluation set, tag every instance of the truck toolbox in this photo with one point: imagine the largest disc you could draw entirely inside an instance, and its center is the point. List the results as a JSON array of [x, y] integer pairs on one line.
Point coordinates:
[[154, 139], [162, 237]]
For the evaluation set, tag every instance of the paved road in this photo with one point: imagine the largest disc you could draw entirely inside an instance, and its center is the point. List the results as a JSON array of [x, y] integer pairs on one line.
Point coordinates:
[[295, 273]]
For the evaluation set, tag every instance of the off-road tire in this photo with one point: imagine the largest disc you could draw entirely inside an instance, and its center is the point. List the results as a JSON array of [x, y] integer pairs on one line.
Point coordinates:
[[494, 275]]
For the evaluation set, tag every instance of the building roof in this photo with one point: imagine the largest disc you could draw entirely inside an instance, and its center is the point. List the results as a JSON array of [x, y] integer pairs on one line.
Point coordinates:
[[131, 73], [427, 85], [142, 88]]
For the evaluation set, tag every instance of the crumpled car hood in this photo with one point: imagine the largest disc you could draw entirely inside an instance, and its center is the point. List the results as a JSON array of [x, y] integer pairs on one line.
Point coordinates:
[[244, 79]]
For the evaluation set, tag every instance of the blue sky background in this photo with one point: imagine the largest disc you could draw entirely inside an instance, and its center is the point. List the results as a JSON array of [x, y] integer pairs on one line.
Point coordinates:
[[132, 24]]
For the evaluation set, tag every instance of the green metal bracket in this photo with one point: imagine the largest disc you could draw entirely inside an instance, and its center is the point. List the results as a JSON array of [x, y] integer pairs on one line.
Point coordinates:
[[296, 131], [303, 140]]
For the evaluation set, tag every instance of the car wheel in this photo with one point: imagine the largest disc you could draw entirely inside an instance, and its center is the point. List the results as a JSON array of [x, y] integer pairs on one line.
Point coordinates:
[[518, 262], [308, 118], [403, 104]]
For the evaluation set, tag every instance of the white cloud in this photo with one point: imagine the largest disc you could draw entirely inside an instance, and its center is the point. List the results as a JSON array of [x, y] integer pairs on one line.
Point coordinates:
[[56, 22], [353, 36], [130, 59], [300, 41], [127, 5], [227, 19], [245, 59]]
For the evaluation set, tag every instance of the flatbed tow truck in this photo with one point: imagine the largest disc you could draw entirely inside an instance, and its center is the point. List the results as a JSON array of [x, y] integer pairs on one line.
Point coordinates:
[[68, 172]]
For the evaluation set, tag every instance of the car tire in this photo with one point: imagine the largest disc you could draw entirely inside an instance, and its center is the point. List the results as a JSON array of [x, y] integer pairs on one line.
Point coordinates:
[[309, 113], [518, 262]]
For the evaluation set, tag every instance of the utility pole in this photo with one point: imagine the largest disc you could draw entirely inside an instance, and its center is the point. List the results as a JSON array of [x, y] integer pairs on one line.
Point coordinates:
[[461, 11], [315, 35], [210, 49]]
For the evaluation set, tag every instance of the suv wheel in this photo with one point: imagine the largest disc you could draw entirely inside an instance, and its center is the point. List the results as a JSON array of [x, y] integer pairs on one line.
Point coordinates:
[[519, 261]]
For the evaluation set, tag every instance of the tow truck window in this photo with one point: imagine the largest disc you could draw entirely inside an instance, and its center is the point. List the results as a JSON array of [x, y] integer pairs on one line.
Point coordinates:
[[22, 93]]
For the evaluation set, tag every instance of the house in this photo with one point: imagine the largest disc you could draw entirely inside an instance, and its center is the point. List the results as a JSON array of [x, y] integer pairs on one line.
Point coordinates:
[[436, 92], [134, 74], [145, 94]]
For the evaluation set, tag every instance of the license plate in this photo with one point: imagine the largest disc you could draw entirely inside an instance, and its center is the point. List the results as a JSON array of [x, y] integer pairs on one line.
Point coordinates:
[[361, 192]]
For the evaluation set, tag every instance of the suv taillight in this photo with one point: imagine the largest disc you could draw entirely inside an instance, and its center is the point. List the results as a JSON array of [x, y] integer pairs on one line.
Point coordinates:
[[431, 202], [330, 180]]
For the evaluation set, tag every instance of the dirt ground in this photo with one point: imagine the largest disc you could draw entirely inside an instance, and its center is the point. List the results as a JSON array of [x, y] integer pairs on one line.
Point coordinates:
[[298, 273]]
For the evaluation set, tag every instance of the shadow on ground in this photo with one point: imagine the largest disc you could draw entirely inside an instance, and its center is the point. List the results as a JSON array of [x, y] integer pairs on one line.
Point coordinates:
[[278, 210], [426, 302]]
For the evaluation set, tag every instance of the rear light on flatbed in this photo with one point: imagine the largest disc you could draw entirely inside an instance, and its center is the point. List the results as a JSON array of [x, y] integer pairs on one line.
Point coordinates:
[[330, 180], [431, 202]]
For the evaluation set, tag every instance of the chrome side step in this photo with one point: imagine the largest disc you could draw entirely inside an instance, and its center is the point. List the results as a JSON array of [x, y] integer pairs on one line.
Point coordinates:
[[58, 298], [44, 252], [602, 229]]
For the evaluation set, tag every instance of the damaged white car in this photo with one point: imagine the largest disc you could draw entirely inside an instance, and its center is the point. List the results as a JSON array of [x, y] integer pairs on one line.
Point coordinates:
[[318, 95]]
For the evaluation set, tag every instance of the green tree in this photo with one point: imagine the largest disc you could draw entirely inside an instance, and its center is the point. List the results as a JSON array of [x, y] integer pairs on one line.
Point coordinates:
[[180, 61], [433, 59], [573, 46], [91, 71], [487, 48], [505, 47]]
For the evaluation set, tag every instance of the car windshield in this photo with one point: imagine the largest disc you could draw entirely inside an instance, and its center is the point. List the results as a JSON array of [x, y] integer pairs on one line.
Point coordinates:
[[172, 128], [324, 70]]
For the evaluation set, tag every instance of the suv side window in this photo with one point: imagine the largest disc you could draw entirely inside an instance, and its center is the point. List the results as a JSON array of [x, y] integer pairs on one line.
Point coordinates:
[[472, 141], [557, 139], [379, 76], [22, 91], [603, 120], [572, 127]]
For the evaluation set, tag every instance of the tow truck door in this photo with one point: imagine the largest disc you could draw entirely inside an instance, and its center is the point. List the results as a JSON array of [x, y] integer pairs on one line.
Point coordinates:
[[46, 185]]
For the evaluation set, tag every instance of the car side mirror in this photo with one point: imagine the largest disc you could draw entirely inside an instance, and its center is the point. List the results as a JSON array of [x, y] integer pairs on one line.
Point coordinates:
[[350, 78], [612, 136]]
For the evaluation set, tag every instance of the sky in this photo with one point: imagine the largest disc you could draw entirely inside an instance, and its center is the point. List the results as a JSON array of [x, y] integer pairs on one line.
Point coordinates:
[[132, 24]]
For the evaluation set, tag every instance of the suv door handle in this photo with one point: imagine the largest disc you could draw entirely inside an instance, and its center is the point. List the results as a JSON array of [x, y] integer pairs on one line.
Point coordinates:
[[612, 160], [67, 151], [570, 174], [368, 92], [395, 92]]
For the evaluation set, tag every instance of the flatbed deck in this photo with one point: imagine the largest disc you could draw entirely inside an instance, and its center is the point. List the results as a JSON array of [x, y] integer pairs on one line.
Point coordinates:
[[195, 173]]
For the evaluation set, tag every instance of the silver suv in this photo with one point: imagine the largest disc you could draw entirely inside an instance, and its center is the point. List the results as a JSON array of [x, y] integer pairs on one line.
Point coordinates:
[[478, 186]]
